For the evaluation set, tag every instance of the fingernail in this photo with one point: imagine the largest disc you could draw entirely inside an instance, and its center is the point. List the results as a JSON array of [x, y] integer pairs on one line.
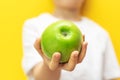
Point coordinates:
[[76, 54], [57, 55]]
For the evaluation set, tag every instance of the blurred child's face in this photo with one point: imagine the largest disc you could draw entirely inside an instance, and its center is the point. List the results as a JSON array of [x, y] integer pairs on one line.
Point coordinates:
[[69, 4]]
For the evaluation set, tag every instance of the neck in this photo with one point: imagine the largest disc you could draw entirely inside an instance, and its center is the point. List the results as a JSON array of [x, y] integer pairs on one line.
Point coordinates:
[[72, 14]]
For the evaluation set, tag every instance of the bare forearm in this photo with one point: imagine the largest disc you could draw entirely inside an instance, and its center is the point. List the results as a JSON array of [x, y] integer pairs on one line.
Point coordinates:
[[42, 72]]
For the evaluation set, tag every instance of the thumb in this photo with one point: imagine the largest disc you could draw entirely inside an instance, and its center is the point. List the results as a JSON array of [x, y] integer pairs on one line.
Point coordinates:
[[37, 46], [55, 61]]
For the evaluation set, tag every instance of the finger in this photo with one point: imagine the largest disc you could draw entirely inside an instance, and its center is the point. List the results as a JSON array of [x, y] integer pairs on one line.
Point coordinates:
[[72, 62], [83, 37], [38, 47], [83, 52], [55, 61]]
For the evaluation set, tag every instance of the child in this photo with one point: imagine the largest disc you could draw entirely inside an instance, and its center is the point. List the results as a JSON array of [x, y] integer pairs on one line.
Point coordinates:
[[99, 63]]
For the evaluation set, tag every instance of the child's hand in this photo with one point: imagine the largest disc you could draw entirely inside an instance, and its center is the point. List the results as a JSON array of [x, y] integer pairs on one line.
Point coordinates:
[[54, 64]]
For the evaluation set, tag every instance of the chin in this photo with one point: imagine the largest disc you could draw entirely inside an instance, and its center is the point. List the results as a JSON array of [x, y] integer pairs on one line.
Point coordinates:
[[71, 7]]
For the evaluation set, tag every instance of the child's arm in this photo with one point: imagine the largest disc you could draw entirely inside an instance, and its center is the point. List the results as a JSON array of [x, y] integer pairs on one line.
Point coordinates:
[[51, 69]]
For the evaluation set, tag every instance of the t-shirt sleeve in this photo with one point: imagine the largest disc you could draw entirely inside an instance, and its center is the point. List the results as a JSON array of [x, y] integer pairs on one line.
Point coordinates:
[[111, 66], [30, 55]]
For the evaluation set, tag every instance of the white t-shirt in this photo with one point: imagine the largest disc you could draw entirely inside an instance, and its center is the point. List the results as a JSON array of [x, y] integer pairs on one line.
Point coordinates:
[[99, 63]]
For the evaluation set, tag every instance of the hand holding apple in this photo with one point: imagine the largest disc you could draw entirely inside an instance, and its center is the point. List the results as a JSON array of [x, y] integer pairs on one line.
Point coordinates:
[[61, 42], [54, 64]]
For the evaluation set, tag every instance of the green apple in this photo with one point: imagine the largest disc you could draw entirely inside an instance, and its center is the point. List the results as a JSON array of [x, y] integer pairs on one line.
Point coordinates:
[[61, 36]]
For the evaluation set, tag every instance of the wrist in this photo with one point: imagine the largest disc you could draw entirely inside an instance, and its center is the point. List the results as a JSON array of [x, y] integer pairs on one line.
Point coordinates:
[[46, 67], [42, 68]]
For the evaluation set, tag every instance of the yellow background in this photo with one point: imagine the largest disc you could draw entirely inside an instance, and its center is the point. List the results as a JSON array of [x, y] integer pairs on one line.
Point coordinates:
[[14, 12]]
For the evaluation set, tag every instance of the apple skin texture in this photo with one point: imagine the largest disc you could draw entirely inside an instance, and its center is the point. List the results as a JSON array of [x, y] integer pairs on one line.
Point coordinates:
[[61, 36]]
